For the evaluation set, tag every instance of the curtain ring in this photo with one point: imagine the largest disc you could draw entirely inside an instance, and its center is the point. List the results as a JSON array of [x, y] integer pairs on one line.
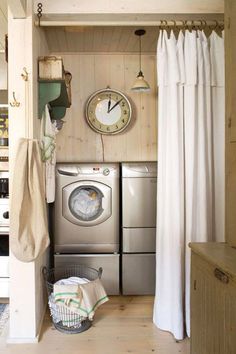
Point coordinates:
[[189, 25], [165, 23], [183, 23], [204, 23], [160, 26], [216, 25], [174, 22], [200, 25], [193, 25]]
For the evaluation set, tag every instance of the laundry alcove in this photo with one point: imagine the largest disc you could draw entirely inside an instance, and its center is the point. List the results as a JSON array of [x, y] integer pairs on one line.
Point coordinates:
[[97, 56]]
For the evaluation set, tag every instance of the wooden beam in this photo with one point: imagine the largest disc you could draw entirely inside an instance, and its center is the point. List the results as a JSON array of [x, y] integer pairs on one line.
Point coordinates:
[[119, 19], [18, 8], [131, 6]]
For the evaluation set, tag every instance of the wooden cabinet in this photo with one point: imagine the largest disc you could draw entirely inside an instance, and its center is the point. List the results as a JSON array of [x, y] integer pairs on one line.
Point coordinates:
[[230, 119], [213, 299]]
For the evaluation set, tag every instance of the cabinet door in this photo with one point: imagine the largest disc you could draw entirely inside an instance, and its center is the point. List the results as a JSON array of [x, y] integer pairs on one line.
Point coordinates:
[[213, 310], [230, 148]]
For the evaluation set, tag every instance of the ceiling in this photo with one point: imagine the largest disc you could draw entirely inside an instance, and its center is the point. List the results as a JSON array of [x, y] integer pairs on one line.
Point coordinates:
[[3, 24], [100, 39]]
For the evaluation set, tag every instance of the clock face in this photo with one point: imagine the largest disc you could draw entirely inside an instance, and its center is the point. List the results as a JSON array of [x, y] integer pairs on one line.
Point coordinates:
[[108, 111]]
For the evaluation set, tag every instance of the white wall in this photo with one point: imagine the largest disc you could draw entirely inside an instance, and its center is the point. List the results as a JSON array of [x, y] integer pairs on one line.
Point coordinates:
[[132, 6], [27, 302]]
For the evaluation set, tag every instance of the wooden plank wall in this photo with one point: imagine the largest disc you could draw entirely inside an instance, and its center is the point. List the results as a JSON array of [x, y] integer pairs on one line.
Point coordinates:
[[230, 121], [77, 141]]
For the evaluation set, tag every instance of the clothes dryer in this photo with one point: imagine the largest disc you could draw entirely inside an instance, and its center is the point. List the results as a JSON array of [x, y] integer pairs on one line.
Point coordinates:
[[139, 194]]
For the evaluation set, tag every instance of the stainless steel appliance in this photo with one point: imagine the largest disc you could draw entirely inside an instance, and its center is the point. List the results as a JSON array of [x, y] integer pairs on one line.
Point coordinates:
[[4, 265], [4, 203], [4, 234], [108, 262], [139, 194], [86, 218]]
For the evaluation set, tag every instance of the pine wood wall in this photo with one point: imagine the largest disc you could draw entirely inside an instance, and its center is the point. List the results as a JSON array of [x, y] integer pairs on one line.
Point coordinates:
[[77, 141]]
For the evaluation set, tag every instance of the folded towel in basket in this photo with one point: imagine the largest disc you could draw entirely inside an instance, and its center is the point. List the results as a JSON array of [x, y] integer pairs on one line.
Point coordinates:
[[69, 295], [82, 299], [94, 295]]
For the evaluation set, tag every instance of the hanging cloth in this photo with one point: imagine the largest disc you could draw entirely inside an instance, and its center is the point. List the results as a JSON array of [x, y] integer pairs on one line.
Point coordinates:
[[187, 69], [218, 111], [168, 308], [28, 219], [48, 149], [198, 150]]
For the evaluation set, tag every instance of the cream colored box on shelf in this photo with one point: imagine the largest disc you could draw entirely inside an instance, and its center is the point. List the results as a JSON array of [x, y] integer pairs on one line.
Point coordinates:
[[50, 68]]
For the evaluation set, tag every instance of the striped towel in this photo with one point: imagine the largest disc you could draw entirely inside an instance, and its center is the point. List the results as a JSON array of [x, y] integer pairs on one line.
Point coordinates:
[[82, 298], [68, 295], [94, 295]]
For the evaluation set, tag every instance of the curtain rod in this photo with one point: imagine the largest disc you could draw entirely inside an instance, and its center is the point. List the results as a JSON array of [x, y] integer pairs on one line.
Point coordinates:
[[159, 23]]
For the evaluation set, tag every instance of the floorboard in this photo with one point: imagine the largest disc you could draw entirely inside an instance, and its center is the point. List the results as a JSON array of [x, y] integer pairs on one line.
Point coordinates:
[[122, 325]]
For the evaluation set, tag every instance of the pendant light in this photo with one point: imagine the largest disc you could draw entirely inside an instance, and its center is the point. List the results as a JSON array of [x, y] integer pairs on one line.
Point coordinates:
[[140, 85]]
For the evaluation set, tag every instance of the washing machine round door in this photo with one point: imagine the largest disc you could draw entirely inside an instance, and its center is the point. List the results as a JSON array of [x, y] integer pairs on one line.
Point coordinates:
[[86, 203]]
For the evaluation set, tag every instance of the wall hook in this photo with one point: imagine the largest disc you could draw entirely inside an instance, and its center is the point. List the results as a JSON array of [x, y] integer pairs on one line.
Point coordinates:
[[25, 75], [14, 103], [39, 12]]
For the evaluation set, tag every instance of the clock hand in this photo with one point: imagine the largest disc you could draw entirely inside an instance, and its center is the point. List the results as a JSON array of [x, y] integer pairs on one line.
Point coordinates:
[[109, 104], [115, 105]]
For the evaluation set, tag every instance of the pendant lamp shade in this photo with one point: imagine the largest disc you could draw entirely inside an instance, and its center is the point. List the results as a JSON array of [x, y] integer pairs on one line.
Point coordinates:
[[140, 84]]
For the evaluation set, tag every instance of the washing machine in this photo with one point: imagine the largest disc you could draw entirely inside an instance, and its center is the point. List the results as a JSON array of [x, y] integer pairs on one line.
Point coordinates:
[[86, 218]]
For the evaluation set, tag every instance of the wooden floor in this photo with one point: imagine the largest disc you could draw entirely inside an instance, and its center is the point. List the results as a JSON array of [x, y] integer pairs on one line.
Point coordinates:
[[122, 325]]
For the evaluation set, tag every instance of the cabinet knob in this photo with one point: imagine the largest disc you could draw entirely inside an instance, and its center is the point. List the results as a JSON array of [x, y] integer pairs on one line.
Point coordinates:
[[6, 215], [221, 276]]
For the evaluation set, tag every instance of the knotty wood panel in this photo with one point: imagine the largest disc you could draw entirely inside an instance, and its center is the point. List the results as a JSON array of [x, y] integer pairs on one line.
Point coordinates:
[[213, 308], [100, 39], [230, 149], [77, 141]]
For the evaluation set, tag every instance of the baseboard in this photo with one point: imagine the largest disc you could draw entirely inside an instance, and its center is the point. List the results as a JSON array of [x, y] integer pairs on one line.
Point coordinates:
[[12, 340]]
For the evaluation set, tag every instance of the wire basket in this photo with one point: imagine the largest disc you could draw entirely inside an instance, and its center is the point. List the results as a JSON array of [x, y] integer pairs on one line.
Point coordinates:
[[63, 318]]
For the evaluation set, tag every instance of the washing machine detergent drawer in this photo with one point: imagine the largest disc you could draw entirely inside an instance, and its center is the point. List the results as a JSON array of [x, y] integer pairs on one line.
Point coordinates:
[[109, 264], [138, 274]]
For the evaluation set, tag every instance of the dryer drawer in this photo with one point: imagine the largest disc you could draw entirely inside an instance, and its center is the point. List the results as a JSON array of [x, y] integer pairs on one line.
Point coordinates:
[[139, 202], [139, 240], [108, 262], [138, 274]]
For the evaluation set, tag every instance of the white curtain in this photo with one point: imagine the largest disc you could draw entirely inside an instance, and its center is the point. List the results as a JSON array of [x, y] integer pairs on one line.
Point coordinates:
[[190, 192]]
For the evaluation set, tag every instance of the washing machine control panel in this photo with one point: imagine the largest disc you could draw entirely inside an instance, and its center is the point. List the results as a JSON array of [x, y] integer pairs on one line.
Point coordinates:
[[106, 171]]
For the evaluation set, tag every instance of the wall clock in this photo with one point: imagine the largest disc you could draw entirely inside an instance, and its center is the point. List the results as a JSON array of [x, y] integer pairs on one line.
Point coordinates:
[[108, 111]]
